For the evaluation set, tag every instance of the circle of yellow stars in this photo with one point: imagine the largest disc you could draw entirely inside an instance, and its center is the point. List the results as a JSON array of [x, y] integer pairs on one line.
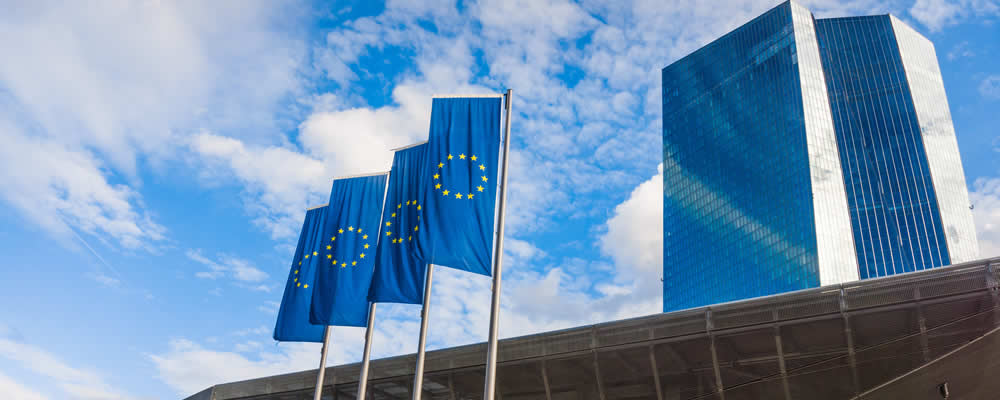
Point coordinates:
[[398, 239], [458, 195], [352, 262]]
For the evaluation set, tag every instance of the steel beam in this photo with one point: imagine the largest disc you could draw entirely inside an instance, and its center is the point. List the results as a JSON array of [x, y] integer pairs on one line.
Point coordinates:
[[781, 363], [709, 326], [851, 357], [656, 374], [545, 381], [600, 382]]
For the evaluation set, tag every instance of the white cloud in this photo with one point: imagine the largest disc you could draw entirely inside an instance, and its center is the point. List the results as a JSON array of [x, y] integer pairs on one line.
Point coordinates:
[[236, 268], [189, 368], [91, 91], [269, 307], [937, 14], [990, 87], [960, 50], [63, 189], [985, 196], [73, 382], [15, 391], [281, 183]]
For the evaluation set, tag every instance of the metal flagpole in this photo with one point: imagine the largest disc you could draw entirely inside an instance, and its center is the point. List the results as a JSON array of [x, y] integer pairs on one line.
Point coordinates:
[[366, 357], [363, 379], [418, 373], [491, 357], [322, 364]]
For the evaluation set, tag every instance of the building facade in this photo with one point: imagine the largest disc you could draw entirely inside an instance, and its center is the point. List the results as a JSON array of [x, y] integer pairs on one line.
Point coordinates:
[[775, 181], [905, 185]]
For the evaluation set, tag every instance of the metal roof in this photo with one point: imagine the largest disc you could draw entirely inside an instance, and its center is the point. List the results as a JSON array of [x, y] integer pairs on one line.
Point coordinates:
[[832, 342]]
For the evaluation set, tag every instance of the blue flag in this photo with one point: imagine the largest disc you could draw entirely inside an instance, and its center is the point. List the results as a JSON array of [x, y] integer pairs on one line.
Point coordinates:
[[459, 200], [349, 238], [399, 274], [293, 316]]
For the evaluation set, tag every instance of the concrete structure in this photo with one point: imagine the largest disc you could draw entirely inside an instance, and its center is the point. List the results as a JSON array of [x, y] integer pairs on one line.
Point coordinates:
[[800, 152], [876, 338]]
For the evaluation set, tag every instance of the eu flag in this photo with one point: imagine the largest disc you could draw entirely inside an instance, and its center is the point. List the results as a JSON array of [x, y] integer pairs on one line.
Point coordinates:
[[399, 274], [347, 255], [459, 200], [293, 316]]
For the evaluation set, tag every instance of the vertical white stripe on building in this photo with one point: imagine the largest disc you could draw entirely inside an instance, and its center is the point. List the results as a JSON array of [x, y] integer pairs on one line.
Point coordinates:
[[834, 237], [940, 145]]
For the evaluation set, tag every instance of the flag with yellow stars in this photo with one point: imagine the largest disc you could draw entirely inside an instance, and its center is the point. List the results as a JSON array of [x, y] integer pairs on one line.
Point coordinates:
[[399, 274], [349, 236], [293, 315], [459, 196]]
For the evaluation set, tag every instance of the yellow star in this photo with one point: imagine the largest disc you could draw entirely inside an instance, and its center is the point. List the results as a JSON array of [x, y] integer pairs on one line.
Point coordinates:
[[307, 256], [334, 262], [354, 263], [340, 231], [445, 192], [407, 202], [329, 256], [365, 237], [473, 158], [296, 271], [328, 247], [388, 233], [359, 230], [366, 245], [458, 195], [333, 238], [350, 228], [438, 186], [306, 286], [470, 196], [414, 202], [449, 156], [388, 223], [436, 176], [295, 280], [298, 284], [400, 206], [461, 156], [479, 188], [410, 238], [418, 208], [394, 215], [482, 167], [484, 178], [440, 165], [415, 228], [343, 265], [300, 262], [315, 253], [362, 254]]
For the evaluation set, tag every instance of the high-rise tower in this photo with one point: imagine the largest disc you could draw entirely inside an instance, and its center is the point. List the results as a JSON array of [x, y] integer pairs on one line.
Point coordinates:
[[770, 182], [905, 185]]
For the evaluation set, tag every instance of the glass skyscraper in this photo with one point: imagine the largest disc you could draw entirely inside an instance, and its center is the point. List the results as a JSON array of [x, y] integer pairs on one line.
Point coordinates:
[[800, 152]]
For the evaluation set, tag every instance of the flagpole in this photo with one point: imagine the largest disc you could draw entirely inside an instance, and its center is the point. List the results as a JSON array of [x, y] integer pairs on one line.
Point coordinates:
[[363, 379], [418, 373], [322, 363], [366, 357], [491, 357]]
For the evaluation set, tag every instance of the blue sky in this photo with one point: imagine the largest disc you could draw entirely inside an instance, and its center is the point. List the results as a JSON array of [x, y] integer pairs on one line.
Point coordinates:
[[157, 159]]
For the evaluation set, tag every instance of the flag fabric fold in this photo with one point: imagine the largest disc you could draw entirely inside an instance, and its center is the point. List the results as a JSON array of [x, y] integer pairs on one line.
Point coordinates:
[[347, 252], [460, 184], [399, 273], [293, 315]]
